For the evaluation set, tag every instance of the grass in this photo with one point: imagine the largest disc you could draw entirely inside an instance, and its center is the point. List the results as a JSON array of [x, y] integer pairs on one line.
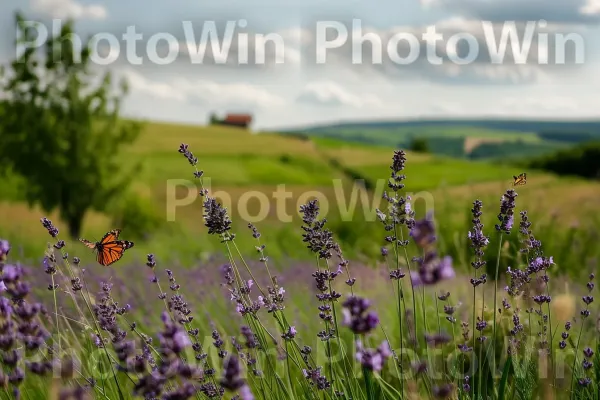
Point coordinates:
[[456, 141], [246, 166], [170, 330]]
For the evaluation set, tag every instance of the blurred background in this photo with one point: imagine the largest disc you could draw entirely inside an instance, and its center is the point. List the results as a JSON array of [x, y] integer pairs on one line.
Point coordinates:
[[90, 125]]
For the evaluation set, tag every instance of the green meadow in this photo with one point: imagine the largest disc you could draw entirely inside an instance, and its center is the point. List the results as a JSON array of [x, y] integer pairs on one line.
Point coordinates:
[[264, 177], [199, 313]]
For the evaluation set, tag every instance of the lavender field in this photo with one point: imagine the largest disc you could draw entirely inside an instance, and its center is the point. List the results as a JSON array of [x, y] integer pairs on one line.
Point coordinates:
[[413, 323]]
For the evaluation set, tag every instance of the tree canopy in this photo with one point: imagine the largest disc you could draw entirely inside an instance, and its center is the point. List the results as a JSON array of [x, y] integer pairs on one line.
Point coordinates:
[[60, 127]]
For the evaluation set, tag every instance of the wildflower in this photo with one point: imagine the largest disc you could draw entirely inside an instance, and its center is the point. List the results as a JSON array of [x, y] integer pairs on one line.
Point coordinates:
[[539, 264], [397, 274], [4, 249], [314, 377], [372, 359], [231, 374], [216, 218], [529, 242], [438, 339], [432, 270], [518, 279], [218, 343], [52, 230], [356, 317], [320, 241], [562, 344], [478, 240], [585, 381], [541, 299], [423, 232], [443, 391], [183, 149], [290, 334], [397, 166], [466, 386], [151, 261], [251, 341], [506, 215], [420, 367]]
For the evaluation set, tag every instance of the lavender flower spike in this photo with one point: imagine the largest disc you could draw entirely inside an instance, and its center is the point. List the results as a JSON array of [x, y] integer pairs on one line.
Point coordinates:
[[506, 215]]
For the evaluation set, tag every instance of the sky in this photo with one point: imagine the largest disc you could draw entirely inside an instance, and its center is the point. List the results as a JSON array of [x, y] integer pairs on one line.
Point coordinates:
[[312, 72]]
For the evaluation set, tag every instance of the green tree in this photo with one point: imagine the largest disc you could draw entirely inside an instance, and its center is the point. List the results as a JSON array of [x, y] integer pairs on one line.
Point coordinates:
[[60, 127], [419, 145]]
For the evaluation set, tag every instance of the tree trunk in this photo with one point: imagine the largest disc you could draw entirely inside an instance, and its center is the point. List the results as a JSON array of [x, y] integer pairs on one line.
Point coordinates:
[[74, 223]]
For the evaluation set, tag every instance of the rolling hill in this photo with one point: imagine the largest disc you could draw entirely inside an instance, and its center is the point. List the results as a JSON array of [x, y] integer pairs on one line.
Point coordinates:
[[466, 138], [263, 178]]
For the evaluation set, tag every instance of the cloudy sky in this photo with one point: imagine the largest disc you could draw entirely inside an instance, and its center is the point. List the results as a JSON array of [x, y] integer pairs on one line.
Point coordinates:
[[399, 77]]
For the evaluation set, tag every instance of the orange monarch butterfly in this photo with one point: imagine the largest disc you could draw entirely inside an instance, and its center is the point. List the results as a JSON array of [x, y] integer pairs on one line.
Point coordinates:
[[110, 249], [520, 180]]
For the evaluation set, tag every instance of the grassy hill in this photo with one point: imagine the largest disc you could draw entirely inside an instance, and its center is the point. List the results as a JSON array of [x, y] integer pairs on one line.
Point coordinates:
[[462, 138], [253, 173]]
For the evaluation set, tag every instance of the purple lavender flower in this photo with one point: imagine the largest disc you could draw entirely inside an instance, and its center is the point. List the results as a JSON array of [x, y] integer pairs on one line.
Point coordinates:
[[290, 333], [478, 240], [466, 386], [423, 231], [319, 240], [232, 379], [443, 391], [397, 274], [506, 215], [432, 270], [216, 218], [356, 316], [4, 249], [585, 381], [529, 242], [52, 230], [371, 359], [437, 339], [183, 149]]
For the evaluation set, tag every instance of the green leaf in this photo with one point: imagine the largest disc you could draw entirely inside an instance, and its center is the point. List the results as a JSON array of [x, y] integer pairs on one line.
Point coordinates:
[[504, 378]]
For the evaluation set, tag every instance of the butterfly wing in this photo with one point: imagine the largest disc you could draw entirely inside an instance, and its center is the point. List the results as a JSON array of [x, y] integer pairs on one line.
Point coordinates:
[[87, 243], [520, 180], [111, 236], [112, 252]]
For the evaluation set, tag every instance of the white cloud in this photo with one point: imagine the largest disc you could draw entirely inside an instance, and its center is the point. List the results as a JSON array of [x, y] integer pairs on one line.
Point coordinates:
[[63, 9], [330, 93], [139, 83], [526, 105], [574, 11], [591, 7], [204, 92]]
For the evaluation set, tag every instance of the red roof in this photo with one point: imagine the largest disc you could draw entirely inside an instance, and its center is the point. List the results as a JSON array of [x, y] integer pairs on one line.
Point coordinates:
[[238, 119]]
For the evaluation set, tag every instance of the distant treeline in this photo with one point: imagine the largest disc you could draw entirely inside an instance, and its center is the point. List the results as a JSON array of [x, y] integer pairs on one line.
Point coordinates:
[[582, 160], [511, 150], [568, 136], [553, 138]]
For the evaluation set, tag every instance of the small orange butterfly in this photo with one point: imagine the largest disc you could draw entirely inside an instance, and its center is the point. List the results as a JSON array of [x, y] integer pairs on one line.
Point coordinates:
[[520, 180], [110, 249]]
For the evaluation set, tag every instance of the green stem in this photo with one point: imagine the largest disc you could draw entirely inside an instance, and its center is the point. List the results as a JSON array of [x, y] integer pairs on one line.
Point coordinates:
[[495, 303], [575, 358]]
